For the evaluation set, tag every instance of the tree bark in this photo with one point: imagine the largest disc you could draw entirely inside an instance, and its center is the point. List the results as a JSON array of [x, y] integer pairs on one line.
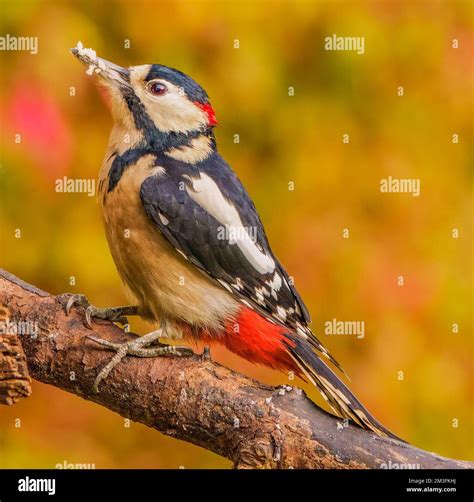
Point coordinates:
[[195, 399], [15, 381]]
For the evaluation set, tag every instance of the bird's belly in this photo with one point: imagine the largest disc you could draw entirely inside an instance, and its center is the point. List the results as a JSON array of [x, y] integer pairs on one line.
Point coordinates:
[[164, 283]]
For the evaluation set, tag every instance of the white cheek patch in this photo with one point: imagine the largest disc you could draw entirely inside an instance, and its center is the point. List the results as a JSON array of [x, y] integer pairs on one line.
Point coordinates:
[[171, 112], [207, 194]]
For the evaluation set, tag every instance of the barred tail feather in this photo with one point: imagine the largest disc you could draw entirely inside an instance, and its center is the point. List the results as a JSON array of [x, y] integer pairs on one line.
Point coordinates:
[[260, 341], [325, 353], [333, 390]]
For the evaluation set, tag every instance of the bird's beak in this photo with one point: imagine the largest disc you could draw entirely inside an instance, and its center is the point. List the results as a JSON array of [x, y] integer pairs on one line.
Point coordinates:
[[113, 74]]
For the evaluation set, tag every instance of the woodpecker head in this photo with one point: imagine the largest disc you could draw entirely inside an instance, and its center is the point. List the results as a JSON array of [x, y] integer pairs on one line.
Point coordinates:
[[154, 99]]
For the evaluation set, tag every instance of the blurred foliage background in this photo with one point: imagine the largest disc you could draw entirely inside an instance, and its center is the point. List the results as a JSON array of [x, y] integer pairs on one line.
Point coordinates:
[[283, 139]]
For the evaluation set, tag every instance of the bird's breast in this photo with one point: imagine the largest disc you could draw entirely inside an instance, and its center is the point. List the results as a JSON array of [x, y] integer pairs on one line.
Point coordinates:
[[163, 282]]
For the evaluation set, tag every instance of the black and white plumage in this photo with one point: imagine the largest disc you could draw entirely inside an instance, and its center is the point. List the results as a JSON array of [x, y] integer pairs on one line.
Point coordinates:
[[245, 266], [196, 256]]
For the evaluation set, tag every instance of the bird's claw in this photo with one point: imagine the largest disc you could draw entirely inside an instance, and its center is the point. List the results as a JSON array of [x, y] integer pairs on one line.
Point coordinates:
[[89, 311], [142, 346], [81, 301], [110, 314], [78, 300]]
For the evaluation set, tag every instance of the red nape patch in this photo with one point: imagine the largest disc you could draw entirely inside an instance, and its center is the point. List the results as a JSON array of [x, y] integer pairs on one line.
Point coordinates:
[[254, 338], [209, 111]]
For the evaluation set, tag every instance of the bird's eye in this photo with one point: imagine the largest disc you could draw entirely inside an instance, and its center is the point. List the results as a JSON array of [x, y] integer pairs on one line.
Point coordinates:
[[157, 89]]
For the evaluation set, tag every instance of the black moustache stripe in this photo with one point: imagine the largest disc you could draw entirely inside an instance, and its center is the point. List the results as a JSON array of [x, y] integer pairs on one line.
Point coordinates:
[[159, 141], [154, 141]]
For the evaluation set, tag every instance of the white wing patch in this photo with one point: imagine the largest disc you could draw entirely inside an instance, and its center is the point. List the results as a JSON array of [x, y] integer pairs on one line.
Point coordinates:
[[207, 194]]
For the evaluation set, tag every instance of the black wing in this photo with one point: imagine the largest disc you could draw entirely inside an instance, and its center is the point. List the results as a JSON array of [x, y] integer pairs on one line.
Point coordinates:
[[201, 238]]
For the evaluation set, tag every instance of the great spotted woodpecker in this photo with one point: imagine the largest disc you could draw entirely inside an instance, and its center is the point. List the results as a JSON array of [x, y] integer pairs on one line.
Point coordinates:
[[188, 242]]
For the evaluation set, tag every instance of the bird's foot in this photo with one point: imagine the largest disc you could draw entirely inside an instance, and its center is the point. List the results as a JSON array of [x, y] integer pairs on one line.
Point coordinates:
[[136, 348], [114, 314], [206, 354]]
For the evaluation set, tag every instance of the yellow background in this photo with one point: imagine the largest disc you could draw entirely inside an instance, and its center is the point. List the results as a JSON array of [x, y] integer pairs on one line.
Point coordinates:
[[283, 139]]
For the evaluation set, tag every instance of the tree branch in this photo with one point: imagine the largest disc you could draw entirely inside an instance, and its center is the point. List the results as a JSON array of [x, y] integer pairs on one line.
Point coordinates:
[[15, 381], [194, 399]]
